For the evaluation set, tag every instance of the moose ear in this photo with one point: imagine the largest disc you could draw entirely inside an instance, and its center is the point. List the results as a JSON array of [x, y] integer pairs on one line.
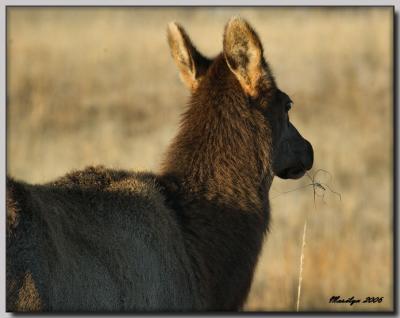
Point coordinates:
[[244, 54], [191, 64]]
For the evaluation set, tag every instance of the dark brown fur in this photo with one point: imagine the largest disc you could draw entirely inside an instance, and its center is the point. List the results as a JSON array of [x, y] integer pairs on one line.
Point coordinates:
[[187, 238]]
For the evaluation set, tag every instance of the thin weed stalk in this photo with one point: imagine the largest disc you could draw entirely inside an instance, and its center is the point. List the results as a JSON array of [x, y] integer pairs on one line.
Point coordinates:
[[303, 245]]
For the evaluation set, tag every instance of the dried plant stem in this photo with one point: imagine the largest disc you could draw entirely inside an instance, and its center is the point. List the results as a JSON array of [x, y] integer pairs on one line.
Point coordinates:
[[301, 265]]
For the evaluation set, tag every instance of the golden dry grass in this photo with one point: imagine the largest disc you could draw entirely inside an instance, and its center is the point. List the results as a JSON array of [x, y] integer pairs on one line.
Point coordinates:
[[98, 86]]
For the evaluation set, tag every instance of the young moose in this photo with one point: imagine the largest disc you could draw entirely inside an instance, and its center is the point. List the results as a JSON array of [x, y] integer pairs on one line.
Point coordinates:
[[187, 238]]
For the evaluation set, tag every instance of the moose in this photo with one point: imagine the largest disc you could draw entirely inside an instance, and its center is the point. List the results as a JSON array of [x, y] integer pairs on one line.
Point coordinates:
[[186, 238]]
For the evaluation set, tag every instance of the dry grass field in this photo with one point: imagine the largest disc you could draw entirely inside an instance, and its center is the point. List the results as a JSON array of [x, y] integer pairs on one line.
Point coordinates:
[[98, 86]]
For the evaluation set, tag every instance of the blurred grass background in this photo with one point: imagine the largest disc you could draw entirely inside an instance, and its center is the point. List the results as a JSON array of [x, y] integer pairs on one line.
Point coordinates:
[[98, 86]]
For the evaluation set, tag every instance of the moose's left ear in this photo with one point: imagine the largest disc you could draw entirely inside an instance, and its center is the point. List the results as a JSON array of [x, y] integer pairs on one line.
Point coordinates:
[[191, 63], [244, 55]]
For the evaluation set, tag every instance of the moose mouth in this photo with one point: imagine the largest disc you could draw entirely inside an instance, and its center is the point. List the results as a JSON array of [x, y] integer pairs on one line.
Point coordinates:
[[292, 173]]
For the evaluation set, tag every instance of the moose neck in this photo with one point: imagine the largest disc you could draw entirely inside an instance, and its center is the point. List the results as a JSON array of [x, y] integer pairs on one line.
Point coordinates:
[[217, 177], [220, 153]]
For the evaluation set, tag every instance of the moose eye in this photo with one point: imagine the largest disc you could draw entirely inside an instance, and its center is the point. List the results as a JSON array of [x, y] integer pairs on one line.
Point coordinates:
[[288, 105]]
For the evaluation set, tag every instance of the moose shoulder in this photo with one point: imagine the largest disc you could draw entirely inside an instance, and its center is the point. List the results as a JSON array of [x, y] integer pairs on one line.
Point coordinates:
[[184, 239]]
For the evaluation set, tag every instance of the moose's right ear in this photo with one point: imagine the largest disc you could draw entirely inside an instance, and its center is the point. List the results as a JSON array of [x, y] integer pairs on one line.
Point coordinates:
[[244, 55], [191, 64]]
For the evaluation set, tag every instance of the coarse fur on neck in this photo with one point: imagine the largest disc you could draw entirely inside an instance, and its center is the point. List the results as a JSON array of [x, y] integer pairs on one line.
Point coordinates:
[[220, 153]]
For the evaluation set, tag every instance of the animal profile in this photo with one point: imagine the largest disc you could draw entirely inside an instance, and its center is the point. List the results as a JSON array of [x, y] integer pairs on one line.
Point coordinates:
[[185, 238]]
